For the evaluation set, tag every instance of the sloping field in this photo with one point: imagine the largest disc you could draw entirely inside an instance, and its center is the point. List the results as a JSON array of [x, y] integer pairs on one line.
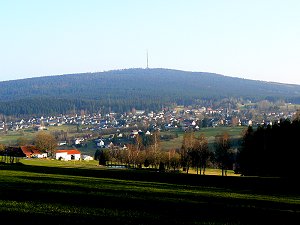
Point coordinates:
[[210, 133], [56, 195]]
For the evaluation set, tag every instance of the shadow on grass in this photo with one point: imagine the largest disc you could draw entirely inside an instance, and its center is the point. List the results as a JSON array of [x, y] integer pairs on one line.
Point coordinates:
[[251, 184], [114, 202]]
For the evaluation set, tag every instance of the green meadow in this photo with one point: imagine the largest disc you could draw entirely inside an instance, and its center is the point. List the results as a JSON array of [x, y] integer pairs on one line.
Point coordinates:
[[51, 192], [210, 133]]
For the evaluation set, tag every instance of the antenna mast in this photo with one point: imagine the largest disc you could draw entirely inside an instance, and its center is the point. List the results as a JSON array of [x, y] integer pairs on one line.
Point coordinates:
[[147, 60]]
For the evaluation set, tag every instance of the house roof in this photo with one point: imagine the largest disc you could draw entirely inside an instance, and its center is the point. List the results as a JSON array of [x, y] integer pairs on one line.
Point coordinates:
[[30, 150], [68, 151]]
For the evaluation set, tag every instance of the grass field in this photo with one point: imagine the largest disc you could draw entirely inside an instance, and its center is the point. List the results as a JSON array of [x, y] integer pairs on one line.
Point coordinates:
[[93, 164], [42, 192], [11, 138], [210, 133]]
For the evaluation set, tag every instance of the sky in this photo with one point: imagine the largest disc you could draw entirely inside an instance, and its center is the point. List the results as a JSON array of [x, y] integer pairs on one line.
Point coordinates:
[[252, 39]]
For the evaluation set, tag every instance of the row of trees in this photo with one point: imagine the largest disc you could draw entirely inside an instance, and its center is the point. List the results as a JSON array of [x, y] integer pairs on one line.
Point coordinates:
[[143, 151], [194, 153]]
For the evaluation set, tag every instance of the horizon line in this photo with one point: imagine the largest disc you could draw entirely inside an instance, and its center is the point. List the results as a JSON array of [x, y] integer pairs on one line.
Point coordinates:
[[141, 68]]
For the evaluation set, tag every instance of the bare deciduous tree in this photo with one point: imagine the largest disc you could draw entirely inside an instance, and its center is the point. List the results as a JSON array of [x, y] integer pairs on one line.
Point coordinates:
[[46, 142], [186, 151], [222, 151], [202, 153]]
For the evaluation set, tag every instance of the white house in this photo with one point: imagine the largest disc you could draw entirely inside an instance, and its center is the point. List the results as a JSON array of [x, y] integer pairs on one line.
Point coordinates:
[[60, 143], [100, 144], [78, 141], [71, 154]]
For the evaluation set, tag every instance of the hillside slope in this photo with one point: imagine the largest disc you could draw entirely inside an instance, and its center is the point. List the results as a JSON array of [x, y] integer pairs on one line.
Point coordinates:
[[121, 90]]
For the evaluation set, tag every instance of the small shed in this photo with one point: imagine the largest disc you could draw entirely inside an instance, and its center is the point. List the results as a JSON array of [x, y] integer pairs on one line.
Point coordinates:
[[87, 157]]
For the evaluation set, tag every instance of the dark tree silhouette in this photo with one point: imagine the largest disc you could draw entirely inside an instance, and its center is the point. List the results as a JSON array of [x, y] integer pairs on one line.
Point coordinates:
[[271, 150]]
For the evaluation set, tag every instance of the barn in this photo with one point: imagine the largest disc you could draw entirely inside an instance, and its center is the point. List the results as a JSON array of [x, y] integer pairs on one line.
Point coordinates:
[[68, 154], [33, 152]]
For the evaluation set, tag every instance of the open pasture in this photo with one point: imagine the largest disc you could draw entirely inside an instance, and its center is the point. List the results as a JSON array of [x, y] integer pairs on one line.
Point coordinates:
[[12, 137], [36, 194], [210, 133], [94, 164]]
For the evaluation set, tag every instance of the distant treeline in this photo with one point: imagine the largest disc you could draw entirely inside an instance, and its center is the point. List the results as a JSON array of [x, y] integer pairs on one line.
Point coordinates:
[[122, 90], [52, 106]]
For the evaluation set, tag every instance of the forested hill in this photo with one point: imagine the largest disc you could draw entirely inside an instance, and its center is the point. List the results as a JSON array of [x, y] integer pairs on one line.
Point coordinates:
[[121, 90]]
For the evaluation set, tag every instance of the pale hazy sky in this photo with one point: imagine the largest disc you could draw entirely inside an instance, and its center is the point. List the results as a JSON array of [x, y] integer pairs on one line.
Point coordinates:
[[255, 39]]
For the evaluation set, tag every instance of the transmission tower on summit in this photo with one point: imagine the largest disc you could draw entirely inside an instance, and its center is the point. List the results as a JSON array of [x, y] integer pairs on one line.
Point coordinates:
[[147, 61]]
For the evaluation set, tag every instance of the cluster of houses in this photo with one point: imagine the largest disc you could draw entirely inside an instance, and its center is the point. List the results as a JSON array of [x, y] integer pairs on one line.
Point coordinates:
[[178, 117], [68, 154], [182, 117]]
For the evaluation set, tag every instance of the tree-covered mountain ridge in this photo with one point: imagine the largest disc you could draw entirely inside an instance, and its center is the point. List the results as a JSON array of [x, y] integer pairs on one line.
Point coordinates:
[[121, 90]]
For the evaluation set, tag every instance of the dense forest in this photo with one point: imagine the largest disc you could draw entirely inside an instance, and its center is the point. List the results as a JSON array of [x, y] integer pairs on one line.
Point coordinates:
[[122, 90], [271, 150]]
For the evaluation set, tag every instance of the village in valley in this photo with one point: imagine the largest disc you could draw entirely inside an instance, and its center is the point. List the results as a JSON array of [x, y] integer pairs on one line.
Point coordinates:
[[118, 129]]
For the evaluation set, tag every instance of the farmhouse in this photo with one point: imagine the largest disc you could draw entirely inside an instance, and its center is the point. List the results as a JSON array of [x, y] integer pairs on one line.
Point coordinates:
[[33, 152], [69, 154]]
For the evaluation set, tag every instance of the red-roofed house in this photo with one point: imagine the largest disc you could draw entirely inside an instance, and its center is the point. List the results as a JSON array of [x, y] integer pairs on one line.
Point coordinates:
[[33, 152], [68, 154]]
